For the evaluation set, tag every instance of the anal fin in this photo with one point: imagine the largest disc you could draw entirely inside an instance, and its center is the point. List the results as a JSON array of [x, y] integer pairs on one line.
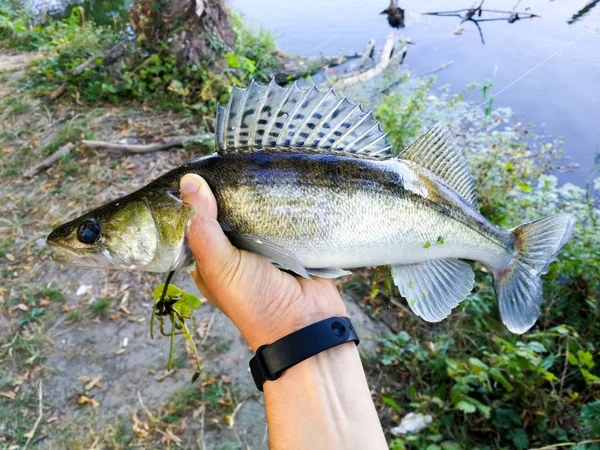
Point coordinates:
[[433, 288]]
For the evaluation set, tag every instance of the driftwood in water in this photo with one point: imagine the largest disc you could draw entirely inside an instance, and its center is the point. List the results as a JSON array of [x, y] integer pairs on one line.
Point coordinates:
[[384, 60], [296, 67], [49, 161], [163, 144]]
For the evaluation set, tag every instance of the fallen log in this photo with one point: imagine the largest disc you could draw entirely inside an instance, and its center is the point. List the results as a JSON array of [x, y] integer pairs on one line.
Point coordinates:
[[108, 57], [163, 144], [383, 62], [49, 161]]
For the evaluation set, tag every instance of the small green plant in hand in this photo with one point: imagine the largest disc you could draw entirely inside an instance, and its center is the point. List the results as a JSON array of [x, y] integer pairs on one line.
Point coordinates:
[[178, 306]]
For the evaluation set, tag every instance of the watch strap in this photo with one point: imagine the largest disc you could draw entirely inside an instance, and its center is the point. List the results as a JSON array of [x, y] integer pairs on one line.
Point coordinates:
[[272, 360]]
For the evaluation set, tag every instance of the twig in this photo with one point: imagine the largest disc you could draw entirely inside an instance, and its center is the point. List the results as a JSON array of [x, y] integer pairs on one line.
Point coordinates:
[[566, 444], [210, 322], [564, 372], [64, 150], [164, 144], [148, 413], [383, 62], [234, 413], [39, 418], [202, 445]]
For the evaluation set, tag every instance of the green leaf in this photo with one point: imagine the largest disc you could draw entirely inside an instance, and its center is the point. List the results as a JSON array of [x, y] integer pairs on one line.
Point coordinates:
[[572, 359], [500, 378], [585, 358], [537, 347], [390, 402], [524, 186], [186, 302], [397, 444], [588, 376], [519, 438], [475, 362], [449, 445], [466, 407]]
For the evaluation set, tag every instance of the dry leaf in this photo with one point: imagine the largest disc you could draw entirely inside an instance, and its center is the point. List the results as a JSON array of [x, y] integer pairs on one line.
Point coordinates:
[[84, 400], [170, 437], [8, 394], [92, 383], [10, 257], [120, 351], [21, 306], [45, 302]]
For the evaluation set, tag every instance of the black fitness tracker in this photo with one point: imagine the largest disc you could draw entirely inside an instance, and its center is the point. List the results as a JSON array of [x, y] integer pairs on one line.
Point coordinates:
[[272, 360]]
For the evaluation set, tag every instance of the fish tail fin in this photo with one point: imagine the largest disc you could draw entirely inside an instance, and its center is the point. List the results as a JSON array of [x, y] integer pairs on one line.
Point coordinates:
[[519, 286]]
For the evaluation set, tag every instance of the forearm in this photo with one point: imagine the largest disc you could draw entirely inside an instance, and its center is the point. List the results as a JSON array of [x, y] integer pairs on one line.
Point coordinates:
[[323, 402]]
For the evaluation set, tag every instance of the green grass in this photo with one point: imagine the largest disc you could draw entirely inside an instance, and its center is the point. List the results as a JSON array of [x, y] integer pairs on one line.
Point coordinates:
[[100, 306]]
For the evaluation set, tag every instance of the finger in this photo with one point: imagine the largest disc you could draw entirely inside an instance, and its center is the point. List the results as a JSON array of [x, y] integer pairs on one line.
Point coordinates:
[[214, 254]]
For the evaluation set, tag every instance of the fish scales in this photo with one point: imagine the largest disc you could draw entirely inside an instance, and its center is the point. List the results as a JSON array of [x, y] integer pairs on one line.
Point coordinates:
[[306, 179]]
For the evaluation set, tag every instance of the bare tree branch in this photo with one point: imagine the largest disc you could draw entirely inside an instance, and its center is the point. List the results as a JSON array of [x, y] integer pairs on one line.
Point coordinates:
[[164, 144], [64, 150]]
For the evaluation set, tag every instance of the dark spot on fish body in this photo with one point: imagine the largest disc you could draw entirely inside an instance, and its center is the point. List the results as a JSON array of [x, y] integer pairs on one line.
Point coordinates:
[[317, 116], [299, 116], [262, 121]]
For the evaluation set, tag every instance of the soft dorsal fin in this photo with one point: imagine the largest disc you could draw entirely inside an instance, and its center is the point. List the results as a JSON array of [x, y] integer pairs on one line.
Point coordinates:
[[271, 116], [437, 152]]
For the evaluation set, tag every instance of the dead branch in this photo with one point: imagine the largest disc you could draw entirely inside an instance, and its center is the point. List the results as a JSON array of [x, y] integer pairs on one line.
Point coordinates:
[[64, 150], [367, 53], [108, 57], [163, 144], [57, 92], [383, 62]]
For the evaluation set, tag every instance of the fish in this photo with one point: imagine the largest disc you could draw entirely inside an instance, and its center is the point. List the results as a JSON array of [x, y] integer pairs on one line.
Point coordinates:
[[308, 180]]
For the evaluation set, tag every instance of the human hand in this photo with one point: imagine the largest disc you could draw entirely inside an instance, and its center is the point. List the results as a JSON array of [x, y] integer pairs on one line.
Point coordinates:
[[262, 301]]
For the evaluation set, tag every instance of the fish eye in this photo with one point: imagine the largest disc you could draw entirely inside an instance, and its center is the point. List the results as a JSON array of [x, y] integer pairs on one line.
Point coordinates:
[[88, 231]]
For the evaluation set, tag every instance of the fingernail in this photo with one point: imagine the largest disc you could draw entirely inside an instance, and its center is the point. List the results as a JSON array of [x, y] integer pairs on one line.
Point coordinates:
[[190, 184]]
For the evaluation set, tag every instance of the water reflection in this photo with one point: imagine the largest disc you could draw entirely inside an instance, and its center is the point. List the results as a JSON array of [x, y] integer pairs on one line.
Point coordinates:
[[475, 15], [395, 15]]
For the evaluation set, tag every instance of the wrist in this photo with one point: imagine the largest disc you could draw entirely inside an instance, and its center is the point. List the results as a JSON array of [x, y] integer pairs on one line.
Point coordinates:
[[281, 320]]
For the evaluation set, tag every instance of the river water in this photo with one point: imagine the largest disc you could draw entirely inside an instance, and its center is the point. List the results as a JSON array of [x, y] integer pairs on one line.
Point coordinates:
[[562, 96]]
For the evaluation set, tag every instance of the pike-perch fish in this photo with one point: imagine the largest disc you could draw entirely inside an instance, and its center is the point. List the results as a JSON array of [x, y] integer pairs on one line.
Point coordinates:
[[308, 180]]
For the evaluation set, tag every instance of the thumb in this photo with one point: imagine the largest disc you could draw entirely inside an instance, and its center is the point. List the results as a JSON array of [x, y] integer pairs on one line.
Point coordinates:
[[214, 254]]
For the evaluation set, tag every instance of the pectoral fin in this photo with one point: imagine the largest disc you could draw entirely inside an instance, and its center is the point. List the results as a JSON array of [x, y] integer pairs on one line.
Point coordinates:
[[433, 288], [268, 249]]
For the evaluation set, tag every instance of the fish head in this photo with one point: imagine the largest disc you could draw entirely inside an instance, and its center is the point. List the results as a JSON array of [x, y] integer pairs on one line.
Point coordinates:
[[119, 235]]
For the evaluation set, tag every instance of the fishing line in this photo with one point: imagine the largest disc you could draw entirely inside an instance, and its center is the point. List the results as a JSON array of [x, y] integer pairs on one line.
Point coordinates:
[[537, 66]]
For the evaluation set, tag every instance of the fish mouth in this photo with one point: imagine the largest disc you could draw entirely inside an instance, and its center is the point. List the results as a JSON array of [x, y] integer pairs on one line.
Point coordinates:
[[67, 256]]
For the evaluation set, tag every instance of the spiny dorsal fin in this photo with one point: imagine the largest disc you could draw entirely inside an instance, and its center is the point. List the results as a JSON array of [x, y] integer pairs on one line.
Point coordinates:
[[437, 152], [272, 116]]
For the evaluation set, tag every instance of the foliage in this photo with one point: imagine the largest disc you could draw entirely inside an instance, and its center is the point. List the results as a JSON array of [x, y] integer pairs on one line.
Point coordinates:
[[256, 56], [156, 79], [485, 387]]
